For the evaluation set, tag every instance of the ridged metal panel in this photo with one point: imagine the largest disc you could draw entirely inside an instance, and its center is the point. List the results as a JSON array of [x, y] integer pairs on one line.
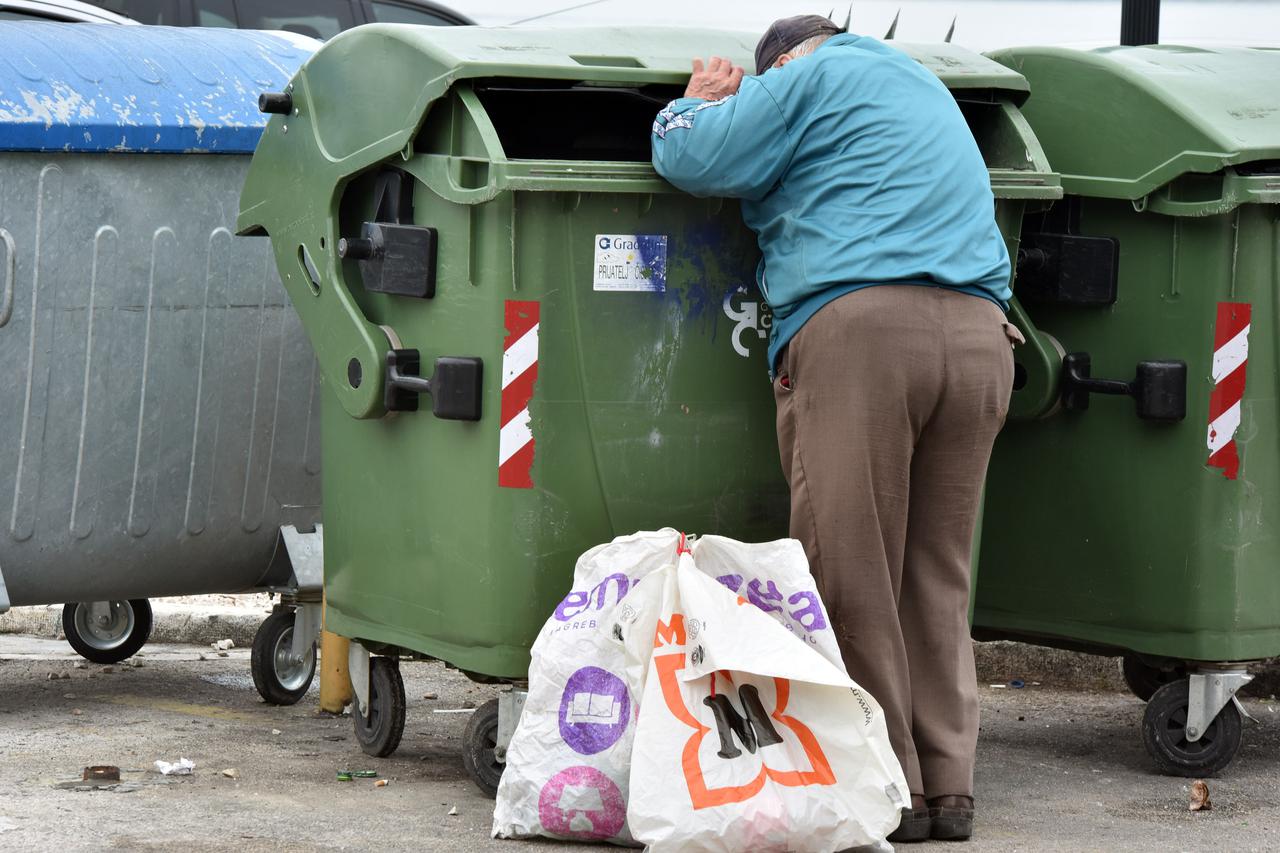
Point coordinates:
[[159, 400]]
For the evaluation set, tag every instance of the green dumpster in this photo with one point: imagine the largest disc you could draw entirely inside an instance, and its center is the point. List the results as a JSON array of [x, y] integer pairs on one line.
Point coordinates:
[[1147, 527], [528, 342]]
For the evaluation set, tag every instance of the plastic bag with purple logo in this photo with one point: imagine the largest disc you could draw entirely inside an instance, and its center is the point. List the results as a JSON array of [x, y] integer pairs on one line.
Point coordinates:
[[569, 761], [774, 576]]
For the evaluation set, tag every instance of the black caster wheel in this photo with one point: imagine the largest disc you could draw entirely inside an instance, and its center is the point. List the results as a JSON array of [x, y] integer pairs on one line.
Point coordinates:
[[379, 733], [478, 744], [1143, 679], [1165, 737], [280, 678], [108, 638]]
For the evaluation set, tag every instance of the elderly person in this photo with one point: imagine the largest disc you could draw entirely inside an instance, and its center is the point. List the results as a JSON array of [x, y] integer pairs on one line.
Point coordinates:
[[890, 356]]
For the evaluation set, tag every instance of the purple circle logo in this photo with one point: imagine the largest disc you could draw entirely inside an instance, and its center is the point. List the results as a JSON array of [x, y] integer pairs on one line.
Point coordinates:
[[593, 710], [583, 803]]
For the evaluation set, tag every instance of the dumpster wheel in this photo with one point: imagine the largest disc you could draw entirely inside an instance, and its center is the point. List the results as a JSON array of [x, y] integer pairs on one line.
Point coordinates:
[[379, 733], [108, 637], [280, 679], [1164, 734], [478, 744], [1143, 679]]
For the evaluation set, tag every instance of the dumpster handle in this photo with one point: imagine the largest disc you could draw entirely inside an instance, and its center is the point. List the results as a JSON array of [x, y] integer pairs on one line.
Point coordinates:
[[1159, 389], [455, 385]]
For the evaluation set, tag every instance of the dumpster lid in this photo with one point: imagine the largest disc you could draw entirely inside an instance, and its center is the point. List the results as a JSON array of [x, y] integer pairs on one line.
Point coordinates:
[[644, 54], [101, 87], [960, 68], [400, 70], [1120, 122]]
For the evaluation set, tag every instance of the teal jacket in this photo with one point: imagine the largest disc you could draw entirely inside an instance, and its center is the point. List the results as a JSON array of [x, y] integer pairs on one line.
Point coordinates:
[[855, 168]]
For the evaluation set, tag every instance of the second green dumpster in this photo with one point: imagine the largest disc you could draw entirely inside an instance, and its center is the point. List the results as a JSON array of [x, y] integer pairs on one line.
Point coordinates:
[[1147, 528]]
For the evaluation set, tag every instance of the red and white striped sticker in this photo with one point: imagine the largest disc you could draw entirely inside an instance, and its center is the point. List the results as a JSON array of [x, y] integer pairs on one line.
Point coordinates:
[[519, 374], [1230, 358]]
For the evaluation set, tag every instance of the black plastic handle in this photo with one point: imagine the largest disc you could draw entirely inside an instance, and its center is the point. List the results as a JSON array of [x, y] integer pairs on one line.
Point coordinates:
[[278, 103], [455, 385], [1159, 389]]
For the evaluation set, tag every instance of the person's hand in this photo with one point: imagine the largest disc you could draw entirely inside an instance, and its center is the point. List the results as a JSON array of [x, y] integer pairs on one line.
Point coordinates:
[[719, 79]]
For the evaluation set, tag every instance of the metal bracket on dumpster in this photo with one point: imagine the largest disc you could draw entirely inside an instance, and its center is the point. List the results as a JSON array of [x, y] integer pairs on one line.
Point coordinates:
[[1159, 389], [1037, 369], [395, 259], [306, 628], [395, 255], [510, 707], [1209, 693], [1060, 266], [1068, 269], [358, 667], [454, 386], [297, 566]]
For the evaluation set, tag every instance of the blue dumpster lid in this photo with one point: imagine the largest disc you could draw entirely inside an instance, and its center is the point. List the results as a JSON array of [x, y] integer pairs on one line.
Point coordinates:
[[98, 87]]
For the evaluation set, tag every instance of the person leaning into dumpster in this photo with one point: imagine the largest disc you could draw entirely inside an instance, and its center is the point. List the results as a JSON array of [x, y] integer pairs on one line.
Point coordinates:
[[889, 352]]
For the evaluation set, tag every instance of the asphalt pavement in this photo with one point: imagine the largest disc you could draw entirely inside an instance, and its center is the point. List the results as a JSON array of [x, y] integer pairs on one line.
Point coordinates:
[[1057, 769]]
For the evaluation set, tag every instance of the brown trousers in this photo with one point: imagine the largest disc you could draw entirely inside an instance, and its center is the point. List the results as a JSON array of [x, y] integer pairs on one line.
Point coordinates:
[[889, 400]]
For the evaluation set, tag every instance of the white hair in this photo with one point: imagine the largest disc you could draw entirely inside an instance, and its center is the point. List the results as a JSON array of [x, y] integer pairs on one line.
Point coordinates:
[[808, 46]]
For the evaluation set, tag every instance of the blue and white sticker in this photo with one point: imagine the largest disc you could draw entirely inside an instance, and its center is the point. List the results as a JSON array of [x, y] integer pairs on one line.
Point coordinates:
[[634, 262]]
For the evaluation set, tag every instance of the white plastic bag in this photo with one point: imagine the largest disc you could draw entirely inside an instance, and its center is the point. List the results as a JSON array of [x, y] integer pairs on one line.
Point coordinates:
[[569, 770], [774, 576], [748, 738], [568, 764]]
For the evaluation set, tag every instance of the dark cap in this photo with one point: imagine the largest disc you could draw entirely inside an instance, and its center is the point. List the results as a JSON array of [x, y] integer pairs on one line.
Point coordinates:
[[786, 33]]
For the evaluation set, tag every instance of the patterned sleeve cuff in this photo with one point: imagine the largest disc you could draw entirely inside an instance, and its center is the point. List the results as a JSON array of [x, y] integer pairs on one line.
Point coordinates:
[[680, 112]]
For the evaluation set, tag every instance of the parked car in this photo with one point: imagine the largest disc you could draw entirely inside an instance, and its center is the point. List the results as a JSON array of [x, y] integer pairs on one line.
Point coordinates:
[[320, 19], [65, 11]]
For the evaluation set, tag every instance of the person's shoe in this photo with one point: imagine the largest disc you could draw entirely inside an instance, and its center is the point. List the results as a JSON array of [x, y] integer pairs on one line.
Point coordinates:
[[951, 818], [914, 826]]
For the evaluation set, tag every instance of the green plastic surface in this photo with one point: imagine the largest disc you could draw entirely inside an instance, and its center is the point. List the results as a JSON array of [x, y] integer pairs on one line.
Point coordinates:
[[650, 409], [1123, 122], [1103, 531]]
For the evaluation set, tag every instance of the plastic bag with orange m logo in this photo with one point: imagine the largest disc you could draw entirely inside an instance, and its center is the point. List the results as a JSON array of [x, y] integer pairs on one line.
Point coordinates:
[[748, 738]]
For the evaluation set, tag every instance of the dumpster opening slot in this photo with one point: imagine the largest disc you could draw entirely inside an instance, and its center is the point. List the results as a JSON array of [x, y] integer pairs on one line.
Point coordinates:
[[590, 122], [1194, 186], [992, 126], [309, 270], [1259, 167]]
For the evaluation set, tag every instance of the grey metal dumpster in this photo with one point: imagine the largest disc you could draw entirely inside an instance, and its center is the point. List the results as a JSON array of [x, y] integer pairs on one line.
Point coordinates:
[[158, 406]]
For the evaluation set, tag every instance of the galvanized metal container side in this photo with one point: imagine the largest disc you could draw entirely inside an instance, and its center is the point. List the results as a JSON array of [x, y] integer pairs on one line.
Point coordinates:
[[160, 411]]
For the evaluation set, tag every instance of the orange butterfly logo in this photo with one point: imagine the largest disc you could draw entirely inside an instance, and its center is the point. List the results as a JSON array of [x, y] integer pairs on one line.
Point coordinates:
[[754, 728]]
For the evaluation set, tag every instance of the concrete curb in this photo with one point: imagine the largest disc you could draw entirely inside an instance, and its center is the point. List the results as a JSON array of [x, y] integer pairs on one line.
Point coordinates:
[[997, 662]]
